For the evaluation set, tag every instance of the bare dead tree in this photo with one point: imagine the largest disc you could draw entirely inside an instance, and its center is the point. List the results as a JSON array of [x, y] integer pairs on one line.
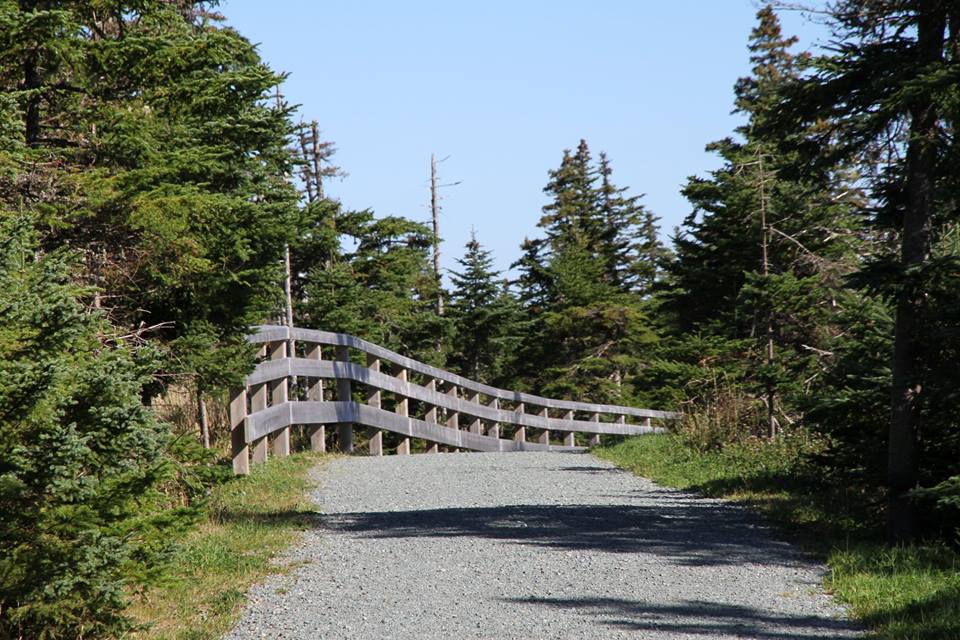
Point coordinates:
[[314, 155], [435, 215], [765, 243]]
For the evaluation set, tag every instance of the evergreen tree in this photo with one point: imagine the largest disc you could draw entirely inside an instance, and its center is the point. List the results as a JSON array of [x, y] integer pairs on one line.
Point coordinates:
[[484, 316], [765, 251], [721, 240], [382, 291], [150, 145], [572, 215], [315, 247], [889, 96], [80, 457], [580, 285], [533, 282], [137, 137], [630, 243]]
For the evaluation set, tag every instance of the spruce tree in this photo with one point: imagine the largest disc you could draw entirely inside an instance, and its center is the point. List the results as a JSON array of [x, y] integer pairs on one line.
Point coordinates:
[[150, 145], [580, 288], [761, 258], [889, 97], [484, 317], [382, 290], [572, 214], [80, 457], [630, 244]]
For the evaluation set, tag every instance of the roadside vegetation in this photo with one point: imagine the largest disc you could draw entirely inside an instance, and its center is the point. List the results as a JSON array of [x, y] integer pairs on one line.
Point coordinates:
[[246, 524]]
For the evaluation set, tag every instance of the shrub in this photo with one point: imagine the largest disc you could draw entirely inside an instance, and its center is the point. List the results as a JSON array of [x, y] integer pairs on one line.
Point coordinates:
[[80, 457], [727, 416]]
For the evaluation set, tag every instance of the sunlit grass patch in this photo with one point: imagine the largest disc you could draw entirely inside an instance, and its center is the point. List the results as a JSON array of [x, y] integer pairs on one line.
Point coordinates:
[[250, 521]]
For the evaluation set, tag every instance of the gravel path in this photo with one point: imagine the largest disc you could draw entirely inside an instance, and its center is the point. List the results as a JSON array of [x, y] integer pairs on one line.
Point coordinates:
[[533, 545]]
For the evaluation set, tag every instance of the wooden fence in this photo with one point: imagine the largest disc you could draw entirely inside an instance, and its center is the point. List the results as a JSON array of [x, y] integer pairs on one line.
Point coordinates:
[[309, 378]]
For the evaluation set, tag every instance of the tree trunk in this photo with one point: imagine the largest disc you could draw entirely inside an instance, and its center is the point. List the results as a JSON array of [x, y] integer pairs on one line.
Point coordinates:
[[435, 213], [902, 460], [204, 420], [771, 390], [32, 80]]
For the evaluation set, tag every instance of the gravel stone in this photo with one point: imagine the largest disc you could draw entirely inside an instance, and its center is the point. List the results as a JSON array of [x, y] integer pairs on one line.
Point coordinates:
[[533, 546]]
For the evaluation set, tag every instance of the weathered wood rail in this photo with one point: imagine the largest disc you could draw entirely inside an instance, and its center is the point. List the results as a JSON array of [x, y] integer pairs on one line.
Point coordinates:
[[309, 378]]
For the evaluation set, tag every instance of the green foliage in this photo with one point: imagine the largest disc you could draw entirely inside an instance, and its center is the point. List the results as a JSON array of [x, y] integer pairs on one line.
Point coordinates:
[[583, 286], [785, 242], [945, 497], [853, 395], [485, 316], [760, 264], [152, 147], [884, 91], [630, 243], [80, 457], [947, 493], [382, 290], [594, 350], [139, 135], [685, 369]]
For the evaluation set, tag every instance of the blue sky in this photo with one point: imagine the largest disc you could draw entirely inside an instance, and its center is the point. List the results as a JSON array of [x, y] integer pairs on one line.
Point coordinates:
[[501, 89]]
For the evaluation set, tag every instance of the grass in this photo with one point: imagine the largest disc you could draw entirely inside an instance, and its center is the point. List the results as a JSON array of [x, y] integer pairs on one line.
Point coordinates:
[[250, 521], [904, 593]]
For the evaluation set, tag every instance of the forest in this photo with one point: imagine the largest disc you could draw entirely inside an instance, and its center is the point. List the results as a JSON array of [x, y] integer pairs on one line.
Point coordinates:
[[153, 179]]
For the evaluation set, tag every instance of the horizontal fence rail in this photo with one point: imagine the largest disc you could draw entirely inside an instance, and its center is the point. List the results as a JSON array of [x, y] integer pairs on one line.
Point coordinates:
[[298, 384]]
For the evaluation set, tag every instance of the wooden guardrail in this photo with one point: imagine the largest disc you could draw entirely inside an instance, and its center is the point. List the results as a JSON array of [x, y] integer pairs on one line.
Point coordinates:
[[400, 395]]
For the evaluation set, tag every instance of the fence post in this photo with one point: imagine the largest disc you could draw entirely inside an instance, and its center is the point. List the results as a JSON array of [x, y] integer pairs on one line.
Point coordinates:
[[238, 436], [453, 420], [403, 449], [279, 394], [374, 435], [316, 432], [344, 394], [431, 415], [569, 438], [595, 438], [545, 434], [494, 430], [520, 435], [258, 402], [474, 397]]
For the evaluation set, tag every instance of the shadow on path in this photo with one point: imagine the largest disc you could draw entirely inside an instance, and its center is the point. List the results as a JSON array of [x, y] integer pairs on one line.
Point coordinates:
[[698, 618], [590, 470], [685, 532]]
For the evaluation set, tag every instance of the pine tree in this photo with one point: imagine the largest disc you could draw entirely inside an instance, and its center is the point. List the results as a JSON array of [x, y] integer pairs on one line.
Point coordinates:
[[149, 143], [765, 251], [484, 316], [580, 285], [888, 95], [80, 457]]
